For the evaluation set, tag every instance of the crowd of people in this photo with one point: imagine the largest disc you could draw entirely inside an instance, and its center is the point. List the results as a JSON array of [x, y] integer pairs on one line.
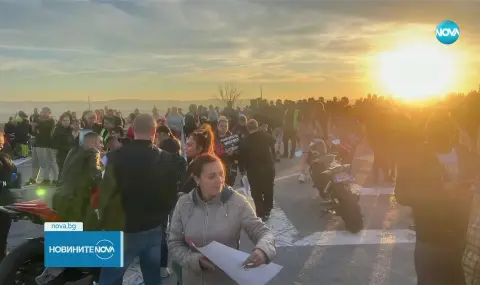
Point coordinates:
[[150, 174]]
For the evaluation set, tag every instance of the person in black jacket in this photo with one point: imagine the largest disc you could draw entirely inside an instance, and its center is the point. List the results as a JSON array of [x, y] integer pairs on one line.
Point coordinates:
[[256, 155], [43, 155], [190, 121], [435, 179], [199, 142], [7, 168], [9, 129], [22, 132], [166, 141], [231, 114], [144, 179], [63, 140], [170, 144]]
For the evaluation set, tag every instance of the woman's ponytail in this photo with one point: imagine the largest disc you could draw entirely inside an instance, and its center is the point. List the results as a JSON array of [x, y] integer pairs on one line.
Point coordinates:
[[204, 138]]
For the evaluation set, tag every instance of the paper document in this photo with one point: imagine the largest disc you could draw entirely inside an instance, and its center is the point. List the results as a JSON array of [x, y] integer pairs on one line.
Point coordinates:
[[230, 261], [104, 160]]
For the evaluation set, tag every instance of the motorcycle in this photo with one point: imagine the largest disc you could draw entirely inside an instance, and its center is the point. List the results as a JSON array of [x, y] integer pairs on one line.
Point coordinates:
[[25, 263], [332, 180]]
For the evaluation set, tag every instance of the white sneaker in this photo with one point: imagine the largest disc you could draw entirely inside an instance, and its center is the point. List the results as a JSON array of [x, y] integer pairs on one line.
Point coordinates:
[[302, 178], [165, 272]]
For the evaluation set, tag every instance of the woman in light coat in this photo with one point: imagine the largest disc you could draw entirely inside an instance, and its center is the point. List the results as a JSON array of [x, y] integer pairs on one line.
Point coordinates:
[[214, 212]]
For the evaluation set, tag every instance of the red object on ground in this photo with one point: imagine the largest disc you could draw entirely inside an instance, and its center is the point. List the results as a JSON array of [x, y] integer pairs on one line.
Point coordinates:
[[37, 208], [94, 198]]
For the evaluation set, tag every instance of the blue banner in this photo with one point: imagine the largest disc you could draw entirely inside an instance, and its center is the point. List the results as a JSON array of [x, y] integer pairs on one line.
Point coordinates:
[[83, 249]]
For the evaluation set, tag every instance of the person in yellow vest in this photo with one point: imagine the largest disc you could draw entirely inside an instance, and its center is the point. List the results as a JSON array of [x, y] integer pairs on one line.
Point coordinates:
[[108, 126]]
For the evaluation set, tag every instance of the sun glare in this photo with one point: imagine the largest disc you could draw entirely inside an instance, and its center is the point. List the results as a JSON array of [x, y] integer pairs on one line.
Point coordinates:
[[417, 72]]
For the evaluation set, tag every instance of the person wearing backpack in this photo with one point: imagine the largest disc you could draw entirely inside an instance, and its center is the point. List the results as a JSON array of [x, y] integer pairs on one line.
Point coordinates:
[[435, 180]]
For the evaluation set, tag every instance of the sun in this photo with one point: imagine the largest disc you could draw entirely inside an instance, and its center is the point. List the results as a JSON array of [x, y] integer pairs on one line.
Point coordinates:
[[416, 72]]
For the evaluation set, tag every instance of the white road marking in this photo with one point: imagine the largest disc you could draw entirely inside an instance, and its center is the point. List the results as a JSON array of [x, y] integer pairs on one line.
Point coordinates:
[[368, 157], [20, 161], [366, 191], [382, 265], [329, 238], [282, 228], [288, 236]]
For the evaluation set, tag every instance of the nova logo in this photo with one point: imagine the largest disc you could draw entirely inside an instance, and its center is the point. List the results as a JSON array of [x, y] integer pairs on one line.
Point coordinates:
[[103, 249], [447, 32]]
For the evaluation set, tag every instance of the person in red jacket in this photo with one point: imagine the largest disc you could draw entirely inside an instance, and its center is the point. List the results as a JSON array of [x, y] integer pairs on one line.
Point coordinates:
[[130, 133]]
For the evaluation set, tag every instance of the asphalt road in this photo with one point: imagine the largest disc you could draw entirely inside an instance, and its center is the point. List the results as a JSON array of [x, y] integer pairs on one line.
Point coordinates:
[[313, 248]]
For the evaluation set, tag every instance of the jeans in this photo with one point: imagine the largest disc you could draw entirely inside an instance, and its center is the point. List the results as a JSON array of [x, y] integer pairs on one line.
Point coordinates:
[[164, 249], [147, 246]]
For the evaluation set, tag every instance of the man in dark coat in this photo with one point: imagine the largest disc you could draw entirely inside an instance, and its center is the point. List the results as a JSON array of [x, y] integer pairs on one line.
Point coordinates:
[[257, 157]]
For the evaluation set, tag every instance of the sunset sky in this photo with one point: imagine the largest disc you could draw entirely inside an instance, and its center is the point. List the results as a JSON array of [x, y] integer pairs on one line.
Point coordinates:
[[71, 49]]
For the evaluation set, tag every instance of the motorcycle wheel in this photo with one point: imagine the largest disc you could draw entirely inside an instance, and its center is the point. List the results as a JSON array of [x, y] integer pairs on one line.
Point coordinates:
[[23, 264], [349, 209]]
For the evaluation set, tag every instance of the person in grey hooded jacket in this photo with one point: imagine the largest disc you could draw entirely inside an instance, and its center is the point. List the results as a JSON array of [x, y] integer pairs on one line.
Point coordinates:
[[214, 212]]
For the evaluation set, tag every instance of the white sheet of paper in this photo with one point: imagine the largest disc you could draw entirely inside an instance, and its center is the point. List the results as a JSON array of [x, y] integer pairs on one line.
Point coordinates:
[[104, 163], [230, 261]]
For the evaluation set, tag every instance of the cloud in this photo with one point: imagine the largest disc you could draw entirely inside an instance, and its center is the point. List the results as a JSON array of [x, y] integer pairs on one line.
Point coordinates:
[[7, 65], [49, 49], [212, 41]]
